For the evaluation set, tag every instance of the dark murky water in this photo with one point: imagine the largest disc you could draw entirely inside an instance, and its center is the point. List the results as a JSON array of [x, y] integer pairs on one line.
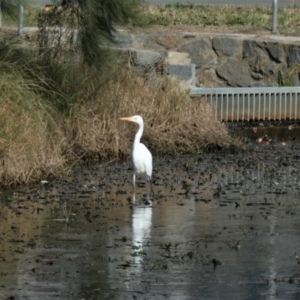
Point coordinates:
[[217, 226]]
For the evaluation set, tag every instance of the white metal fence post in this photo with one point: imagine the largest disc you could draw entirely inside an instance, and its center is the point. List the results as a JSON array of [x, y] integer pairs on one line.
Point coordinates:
[[0, 14], [274, 20], [21, 20]]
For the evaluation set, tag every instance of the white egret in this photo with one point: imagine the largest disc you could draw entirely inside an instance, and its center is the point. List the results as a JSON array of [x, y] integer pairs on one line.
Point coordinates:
[[140, 155]]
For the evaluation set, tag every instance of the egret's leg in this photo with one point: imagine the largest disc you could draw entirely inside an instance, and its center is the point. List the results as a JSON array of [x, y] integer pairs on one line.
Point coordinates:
[[133, 181], [150, 184], [133, 197]]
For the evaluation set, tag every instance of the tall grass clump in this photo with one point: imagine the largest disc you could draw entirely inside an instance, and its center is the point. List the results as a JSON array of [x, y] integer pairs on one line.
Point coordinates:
[[30, 137]]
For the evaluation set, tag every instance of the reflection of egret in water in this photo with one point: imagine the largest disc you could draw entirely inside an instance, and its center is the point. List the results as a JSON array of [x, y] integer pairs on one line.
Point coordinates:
[[141, 225], [141, 222]]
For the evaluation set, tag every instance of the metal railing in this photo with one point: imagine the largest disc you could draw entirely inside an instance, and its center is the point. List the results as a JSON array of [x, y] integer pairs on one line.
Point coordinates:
[[251, 103]]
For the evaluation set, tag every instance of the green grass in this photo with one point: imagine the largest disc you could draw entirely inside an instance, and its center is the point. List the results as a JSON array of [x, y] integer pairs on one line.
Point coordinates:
[[221, 17], [200, 16]]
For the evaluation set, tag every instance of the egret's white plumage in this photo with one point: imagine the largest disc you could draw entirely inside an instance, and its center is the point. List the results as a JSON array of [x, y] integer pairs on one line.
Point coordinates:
[[140, 155]]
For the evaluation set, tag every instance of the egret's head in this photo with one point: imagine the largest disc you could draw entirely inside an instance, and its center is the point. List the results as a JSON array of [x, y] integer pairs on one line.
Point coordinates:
[[135, 119]]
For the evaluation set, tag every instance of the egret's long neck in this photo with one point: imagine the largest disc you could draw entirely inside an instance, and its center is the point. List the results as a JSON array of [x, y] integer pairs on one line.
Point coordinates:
[[138, 135]]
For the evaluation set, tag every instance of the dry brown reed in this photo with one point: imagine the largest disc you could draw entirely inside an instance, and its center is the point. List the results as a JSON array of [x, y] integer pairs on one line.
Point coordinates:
[[174, 124]]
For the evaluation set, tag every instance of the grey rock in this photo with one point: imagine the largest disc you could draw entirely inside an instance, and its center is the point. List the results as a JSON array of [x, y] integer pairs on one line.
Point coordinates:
[[293, 56], [260, 63], [225, 45], [248, 47], [145, 59], [201, 53], [168, 41], [208, 78], [276, 51], [235, 73], [150, 42], [256, 75], [252, 63], [183, 72]]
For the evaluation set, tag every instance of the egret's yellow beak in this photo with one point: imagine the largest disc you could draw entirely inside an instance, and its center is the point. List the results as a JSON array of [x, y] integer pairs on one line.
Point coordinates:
[[126, 119]]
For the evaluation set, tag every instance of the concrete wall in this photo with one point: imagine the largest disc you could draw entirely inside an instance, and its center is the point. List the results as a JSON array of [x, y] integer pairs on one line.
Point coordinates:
[[237, 60]]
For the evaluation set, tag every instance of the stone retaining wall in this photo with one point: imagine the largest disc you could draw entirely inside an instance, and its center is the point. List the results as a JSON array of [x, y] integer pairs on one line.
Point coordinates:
[[221, 60]]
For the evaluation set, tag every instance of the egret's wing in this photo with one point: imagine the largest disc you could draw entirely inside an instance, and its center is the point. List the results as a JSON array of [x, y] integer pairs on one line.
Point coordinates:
[[142, 160]]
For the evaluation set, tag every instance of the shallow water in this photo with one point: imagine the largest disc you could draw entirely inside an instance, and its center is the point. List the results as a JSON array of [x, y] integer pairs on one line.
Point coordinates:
[[216, 226]]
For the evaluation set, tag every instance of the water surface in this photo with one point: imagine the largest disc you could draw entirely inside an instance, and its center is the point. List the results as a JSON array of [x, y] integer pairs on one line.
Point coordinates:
[[216, 226]]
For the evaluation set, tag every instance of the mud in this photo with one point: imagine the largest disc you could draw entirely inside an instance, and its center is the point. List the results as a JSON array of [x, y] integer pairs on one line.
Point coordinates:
[[215, 226]]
